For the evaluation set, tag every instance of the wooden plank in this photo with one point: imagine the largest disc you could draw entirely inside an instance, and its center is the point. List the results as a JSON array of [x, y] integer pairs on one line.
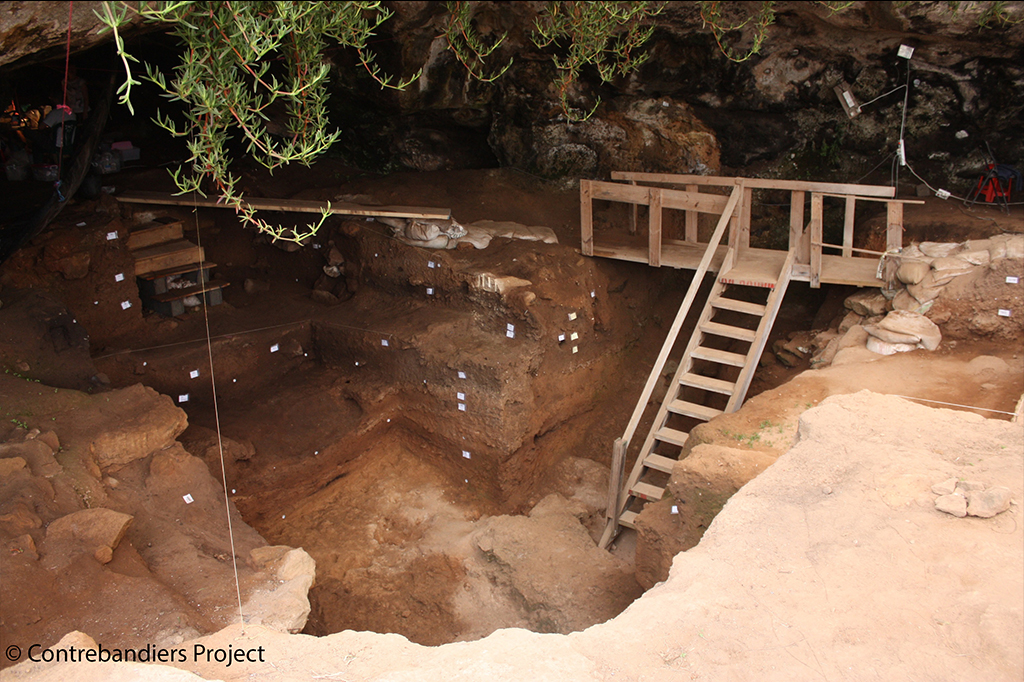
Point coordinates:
[[692, 219], [610, 191], [287, 205], [817, 210], [674, 436], [851, 209], [646, 491], [654, 229], [175, 294], [586, 218], [735, 305], [728, 331], [693, 410], [178, 270], [879, 199], [758, 183], [618, 471], [693, 201], [722, 357], [796, 228], [660, 463], [156, 232], [743, 242], [164, 256], [634, 216], [707, 383]]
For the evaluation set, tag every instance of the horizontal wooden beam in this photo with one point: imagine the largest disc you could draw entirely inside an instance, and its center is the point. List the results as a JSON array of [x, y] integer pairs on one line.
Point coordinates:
[[670, 198], [758, 183], [289, 205]]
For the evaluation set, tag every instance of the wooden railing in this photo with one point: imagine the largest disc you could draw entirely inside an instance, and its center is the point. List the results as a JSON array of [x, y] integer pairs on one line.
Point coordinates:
[[806, 239]]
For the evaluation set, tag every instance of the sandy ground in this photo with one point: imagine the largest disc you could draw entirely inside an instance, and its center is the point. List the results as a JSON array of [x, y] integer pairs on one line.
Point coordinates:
[[834, 564]]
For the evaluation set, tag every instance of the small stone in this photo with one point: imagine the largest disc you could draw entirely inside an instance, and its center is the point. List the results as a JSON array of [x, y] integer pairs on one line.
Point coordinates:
[[827, 490], [987, 503], [103, 554], [952, 504], [947, 487], [970, 486]]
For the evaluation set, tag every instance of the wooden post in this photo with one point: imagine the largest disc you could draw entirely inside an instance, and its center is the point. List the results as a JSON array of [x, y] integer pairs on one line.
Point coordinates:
[[654, 231], [692, 218], [893, 238], [817, 211], [615, 477], [633, 213], [797, 242], [851, 207], [586, 219], [745, 206]]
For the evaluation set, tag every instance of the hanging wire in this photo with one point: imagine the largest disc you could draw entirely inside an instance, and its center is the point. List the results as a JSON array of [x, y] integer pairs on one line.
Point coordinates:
[[216, 409]]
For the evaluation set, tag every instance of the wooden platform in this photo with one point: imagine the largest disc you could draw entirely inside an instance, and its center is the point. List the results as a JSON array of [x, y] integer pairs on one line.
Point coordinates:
[[753, 265], [288, 205]]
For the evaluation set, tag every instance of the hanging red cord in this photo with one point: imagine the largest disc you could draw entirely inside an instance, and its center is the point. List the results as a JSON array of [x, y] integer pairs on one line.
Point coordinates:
[[64, 99]]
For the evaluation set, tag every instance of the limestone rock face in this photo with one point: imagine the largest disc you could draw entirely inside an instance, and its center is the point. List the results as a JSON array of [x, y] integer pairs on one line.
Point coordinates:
[[284, 607], [145, 423], [96, 531]]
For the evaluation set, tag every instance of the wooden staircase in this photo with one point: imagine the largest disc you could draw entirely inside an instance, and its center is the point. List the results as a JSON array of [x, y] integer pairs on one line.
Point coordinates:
[[714, 374], [164, 259]]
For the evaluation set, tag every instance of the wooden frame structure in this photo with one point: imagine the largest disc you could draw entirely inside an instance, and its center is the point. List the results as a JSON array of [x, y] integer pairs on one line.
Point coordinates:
[[660, 191]]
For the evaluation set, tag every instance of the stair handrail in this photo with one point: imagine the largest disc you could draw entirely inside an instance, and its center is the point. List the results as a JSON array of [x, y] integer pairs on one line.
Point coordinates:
[[684, 310]]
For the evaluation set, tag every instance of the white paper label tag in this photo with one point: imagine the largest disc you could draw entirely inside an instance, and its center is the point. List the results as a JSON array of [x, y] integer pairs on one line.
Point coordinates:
[[942, 194], [183, 398], [430, 291], [573, 336], [510, 327], [111, 236], [81, 224], [593, 294], [1012, 280], [510, 334], [675, 509], [274, 348], [119, 277], [905, 51], [125, 305], [431, 264], [1003, 312], [575, 349], [465, 453], [194, 374], [460, 396], [462, 375], [572, 316], [188, 499], [561, 338], [384, 342], [462, 407], [850, 101]]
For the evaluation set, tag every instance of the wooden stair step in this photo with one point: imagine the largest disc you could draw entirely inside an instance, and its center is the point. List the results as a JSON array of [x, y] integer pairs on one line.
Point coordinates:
[[164, 256], [156, 232], [646, 491], [175, 294], [722, 357], [628, 519], [693, 410], [673, 436], [738, 306], [707, 383], [660, 462], [728, 331]]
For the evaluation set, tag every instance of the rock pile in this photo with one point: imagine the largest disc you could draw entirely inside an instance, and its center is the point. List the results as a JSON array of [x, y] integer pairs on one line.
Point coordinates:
[[971, 498]]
